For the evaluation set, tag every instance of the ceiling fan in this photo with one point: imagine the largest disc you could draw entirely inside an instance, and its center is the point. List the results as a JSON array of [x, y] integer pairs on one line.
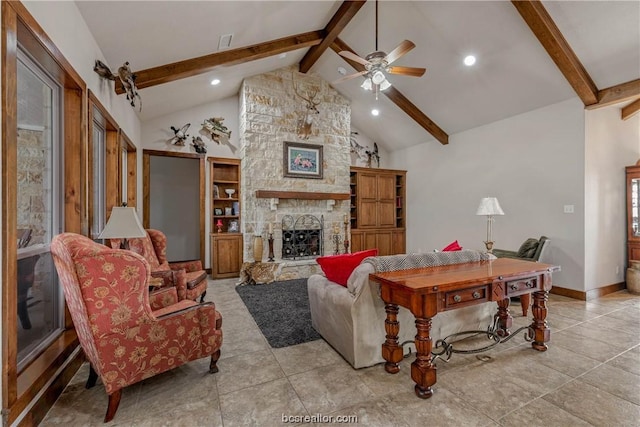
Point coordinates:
[[378, 64]]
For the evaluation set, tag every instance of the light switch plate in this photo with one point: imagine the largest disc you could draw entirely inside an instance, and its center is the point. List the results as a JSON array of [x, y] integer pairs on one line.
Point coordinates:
[[568, 208]]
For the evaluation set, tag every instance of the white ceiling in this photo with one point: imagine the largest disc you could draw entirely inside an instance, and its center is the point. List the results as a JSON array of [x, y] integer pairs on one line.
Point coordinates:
[[513, 73]]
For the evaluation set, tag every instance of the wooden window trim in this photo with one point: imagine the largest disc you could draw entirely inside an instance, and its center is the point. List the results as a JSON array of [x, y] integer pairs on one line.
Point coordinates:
[[131, 174], [18, 389]]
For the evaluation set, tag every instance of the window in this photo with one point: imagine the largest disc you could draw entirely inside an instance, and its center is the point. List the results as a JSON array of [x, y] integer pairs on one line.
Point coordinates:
[[39, 297], [97, 191]]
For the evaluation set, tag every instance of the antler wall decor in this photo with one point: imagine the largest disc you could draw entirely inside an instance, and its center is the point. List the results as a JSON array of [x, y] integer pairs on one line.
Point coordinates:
[[305, 123]]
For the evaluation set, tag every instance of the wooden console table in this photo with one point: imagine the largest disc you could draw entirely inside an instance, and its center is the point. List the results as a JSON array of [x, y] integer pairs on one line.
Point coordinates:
[[428, 291]]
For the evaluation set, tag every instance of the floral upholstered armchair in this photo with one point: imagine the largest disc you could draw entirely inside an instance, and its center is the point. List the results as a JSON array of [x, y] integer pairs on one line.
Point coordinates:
[[191, 284], [124, 340]]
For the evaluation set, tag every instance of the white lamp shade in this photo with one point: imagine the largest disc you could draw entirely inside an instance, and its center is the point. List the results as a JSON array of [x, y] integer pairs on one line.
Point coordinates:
[[489, 206], [123, 223]]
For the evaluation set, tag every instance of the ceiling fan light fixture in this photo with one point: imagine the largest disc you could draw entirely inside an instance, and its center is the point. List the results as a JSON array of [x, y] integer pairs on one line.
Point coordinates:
[[385, 85], [366, 84], [378, 77]]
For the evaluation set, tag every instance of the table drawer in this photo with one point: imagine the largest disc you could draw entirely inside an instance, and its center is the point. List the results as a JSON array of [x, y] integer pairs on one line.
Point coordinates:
[[466, 296], [526, 284]]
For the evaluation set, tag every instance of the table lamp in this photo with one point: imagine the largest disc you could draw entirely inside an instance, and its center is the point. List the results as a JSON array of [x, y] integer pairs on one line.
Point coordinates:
[[123, 224], [489, 206]]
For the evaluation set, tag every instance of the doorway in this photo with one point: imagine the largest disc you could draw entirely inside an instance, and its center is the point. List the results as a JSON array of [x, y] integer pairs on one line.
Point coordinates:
[[174, 201]]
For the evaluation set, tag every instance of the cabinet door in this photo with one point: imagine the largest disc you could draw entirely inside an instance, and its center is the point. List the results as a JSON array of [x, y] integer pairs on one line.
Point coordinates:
[[386, 213], [386, 186], [368, 186], [226, 255], [384, 242], [399, 246], [368, 214], [357, 241]]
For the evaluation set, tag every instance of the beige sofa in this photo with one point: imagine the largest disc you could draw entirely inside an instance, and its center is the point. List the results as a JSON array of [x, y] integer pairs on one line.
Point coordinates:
[[351, 319]]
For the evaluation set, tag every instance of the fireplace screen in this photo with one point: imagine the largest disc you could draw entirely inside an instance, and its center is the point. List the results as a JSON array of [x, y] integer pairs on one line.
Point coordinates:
[[302, 238]]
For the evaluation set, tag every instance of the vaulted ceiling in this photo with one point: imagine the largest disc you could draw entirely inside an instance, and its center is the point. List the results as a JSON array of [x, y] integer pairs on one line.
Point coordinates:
[[528, 56]]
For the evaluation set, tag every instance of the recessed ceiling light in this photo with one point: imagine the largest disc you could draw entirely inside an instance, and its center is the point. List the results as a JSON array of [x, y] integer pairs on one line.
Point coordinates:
[[282, 55], [469, 60], [375, 112], [215, 82]]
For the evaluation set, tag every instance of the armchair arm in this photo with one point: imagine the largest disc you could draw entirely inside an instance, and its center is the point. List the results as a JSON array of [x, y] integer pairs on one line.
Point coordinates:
[[176, 278], [503, 253], [189, 266], [163, 297]]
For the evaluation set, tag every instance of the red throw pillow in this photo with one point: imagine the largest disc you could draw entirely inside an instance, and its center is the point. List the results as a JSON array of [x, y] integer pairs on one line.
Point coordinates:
[[453, 246], [338, 268]]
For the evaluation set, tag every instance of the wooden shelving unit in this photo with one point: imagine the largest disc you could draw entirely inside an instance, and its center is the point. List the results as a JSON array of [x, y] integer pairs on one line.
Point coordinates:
[[226, 244], [378, 210]]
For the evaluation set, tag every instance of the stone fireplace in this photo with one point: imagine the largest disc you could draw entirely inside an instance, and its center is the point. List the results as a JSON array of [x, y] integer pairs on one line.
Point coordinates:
[[271, 109]]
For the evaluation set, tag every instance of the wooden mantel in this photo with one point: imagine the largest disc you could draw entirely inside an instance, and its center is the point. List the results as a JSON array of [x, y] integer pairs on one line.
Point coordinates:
[[300, 195]]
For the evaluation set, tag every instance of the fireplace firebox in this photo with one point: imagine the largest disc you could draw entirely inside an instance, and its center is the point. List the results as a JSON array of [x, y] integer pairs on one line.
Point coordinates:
[[302, 237]]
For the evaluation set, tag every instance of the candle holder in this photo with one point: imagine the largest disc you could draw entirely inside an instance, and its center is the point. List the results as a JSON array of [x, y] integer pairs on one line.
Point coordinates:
[[336, 238], [270, 247], [346, 236]]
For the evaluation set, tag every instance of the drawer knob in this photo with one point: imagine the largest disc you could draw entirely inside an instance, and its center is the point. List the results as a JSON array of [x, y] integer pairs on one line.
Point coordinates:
[[476, 295], [514, 287], [457, 298], [530, 284]]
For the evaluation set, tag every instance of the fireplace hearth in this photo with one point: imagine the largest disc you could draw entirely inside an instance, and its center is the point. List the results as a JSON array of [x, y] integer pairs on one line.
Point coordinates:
[[302, 237]]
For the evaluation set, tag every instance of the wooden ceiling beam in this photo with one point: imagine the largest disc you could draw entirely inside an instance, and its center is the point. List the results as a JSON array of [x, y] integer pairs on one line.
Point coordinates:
[[543, 27], [337, 23], [194, 66], [398, 98], [630, 109], [618, 93]]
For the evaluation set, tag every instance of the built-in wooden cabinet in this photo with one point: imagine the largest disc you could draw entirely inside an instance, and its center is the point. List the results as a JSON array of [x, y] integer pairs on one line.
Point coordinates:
[[378, 210], [633, 213], [226, 239]]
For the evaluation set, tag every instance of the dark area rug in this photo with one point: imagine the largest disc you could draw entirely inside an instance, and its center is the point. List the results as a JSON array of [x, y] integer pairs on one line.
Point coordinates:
[[281, 310]]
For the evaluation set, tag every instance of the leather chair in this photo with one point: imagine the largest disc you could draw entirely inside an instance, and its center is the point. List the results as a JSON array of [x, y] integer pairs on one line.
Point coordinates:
[[124, 340], [531, 250], [153, 248]]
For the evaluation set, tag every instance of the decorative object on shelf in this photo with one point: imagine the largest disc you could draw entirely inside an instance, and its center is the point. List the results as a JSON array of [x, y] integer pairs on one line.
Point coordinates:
[[236, 208], [216, 192], [346, 233], [302, 160], [128, 81], [215, 129], [218, 212], [230, 192], [489, 207], [336, 238], [219, 225], [228, 212], [258, 248], [199, 145], [271, 255], [305, 122], [123, 224], [103, 70], [233, 226], [179, 135], [373, 155]]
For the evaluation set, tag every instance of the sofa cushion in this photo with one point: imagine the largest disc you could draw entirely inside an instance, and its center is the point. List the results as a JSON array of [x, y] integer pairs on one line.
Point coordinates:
[[453, 246], [338, 268], [528, 248]]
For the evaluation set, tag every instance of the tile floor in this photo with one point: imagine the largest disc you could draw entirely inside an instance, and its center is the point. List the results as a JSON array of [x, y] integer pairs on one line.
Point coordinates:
[[589, 376]]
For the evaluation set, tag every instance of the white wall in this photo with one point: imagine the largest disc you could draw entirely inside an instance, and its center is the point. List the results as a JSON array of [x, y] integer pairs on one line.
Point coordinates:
[[533, 163], [611, 144]]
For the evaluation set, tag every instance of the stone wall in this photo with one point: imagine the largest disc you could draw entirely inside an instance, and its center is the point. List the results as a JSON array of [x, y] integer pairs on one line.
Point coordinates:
[[270, 111], [33, 211]]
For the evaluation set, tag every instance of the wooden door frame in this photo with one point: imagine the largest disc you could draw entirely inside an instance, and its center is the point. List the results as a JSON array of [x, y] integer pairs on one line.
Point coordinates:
[[146, 186]]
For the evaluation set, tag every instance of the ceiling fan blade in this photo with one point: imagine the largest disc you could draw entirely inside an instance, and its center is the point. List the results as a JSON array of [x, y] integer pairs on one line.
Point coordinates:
[[349, 77], [352, 56], [407, 71], [400, 50]]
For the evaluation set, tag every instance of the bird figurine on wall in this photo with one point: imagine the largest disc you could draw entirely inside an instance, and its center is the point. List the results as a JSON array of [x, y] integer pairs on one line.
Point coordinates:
[[128, 80], [103, 70], [179, 135], [199, 145], [371, 155], [215, 128], [356, 148]]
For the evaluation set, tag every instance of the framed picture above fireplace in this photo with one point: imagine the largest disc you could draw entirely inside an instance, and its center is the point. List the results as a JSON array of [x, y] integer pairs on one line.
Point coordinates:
[[302, 160]]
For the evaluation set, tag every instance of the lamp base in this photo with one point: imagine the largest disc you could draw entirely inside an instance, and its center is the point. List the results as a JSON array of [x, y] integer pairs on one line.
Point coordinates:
[[489, 246]]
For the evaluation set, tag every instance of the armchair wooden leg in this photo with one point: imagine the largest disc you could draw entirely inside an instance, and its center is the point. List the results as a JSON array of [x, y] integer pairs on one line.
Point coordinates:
[[93, 377], [114, 401], [213, 368], [202, 296], [525, 302]]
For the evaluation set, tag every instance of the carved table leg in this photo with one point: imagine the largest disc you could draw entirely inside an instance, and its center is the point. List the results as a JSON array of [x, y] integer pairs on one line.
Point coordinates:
[[423, 372], [505, 321], [391, 351], [541, 331]]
